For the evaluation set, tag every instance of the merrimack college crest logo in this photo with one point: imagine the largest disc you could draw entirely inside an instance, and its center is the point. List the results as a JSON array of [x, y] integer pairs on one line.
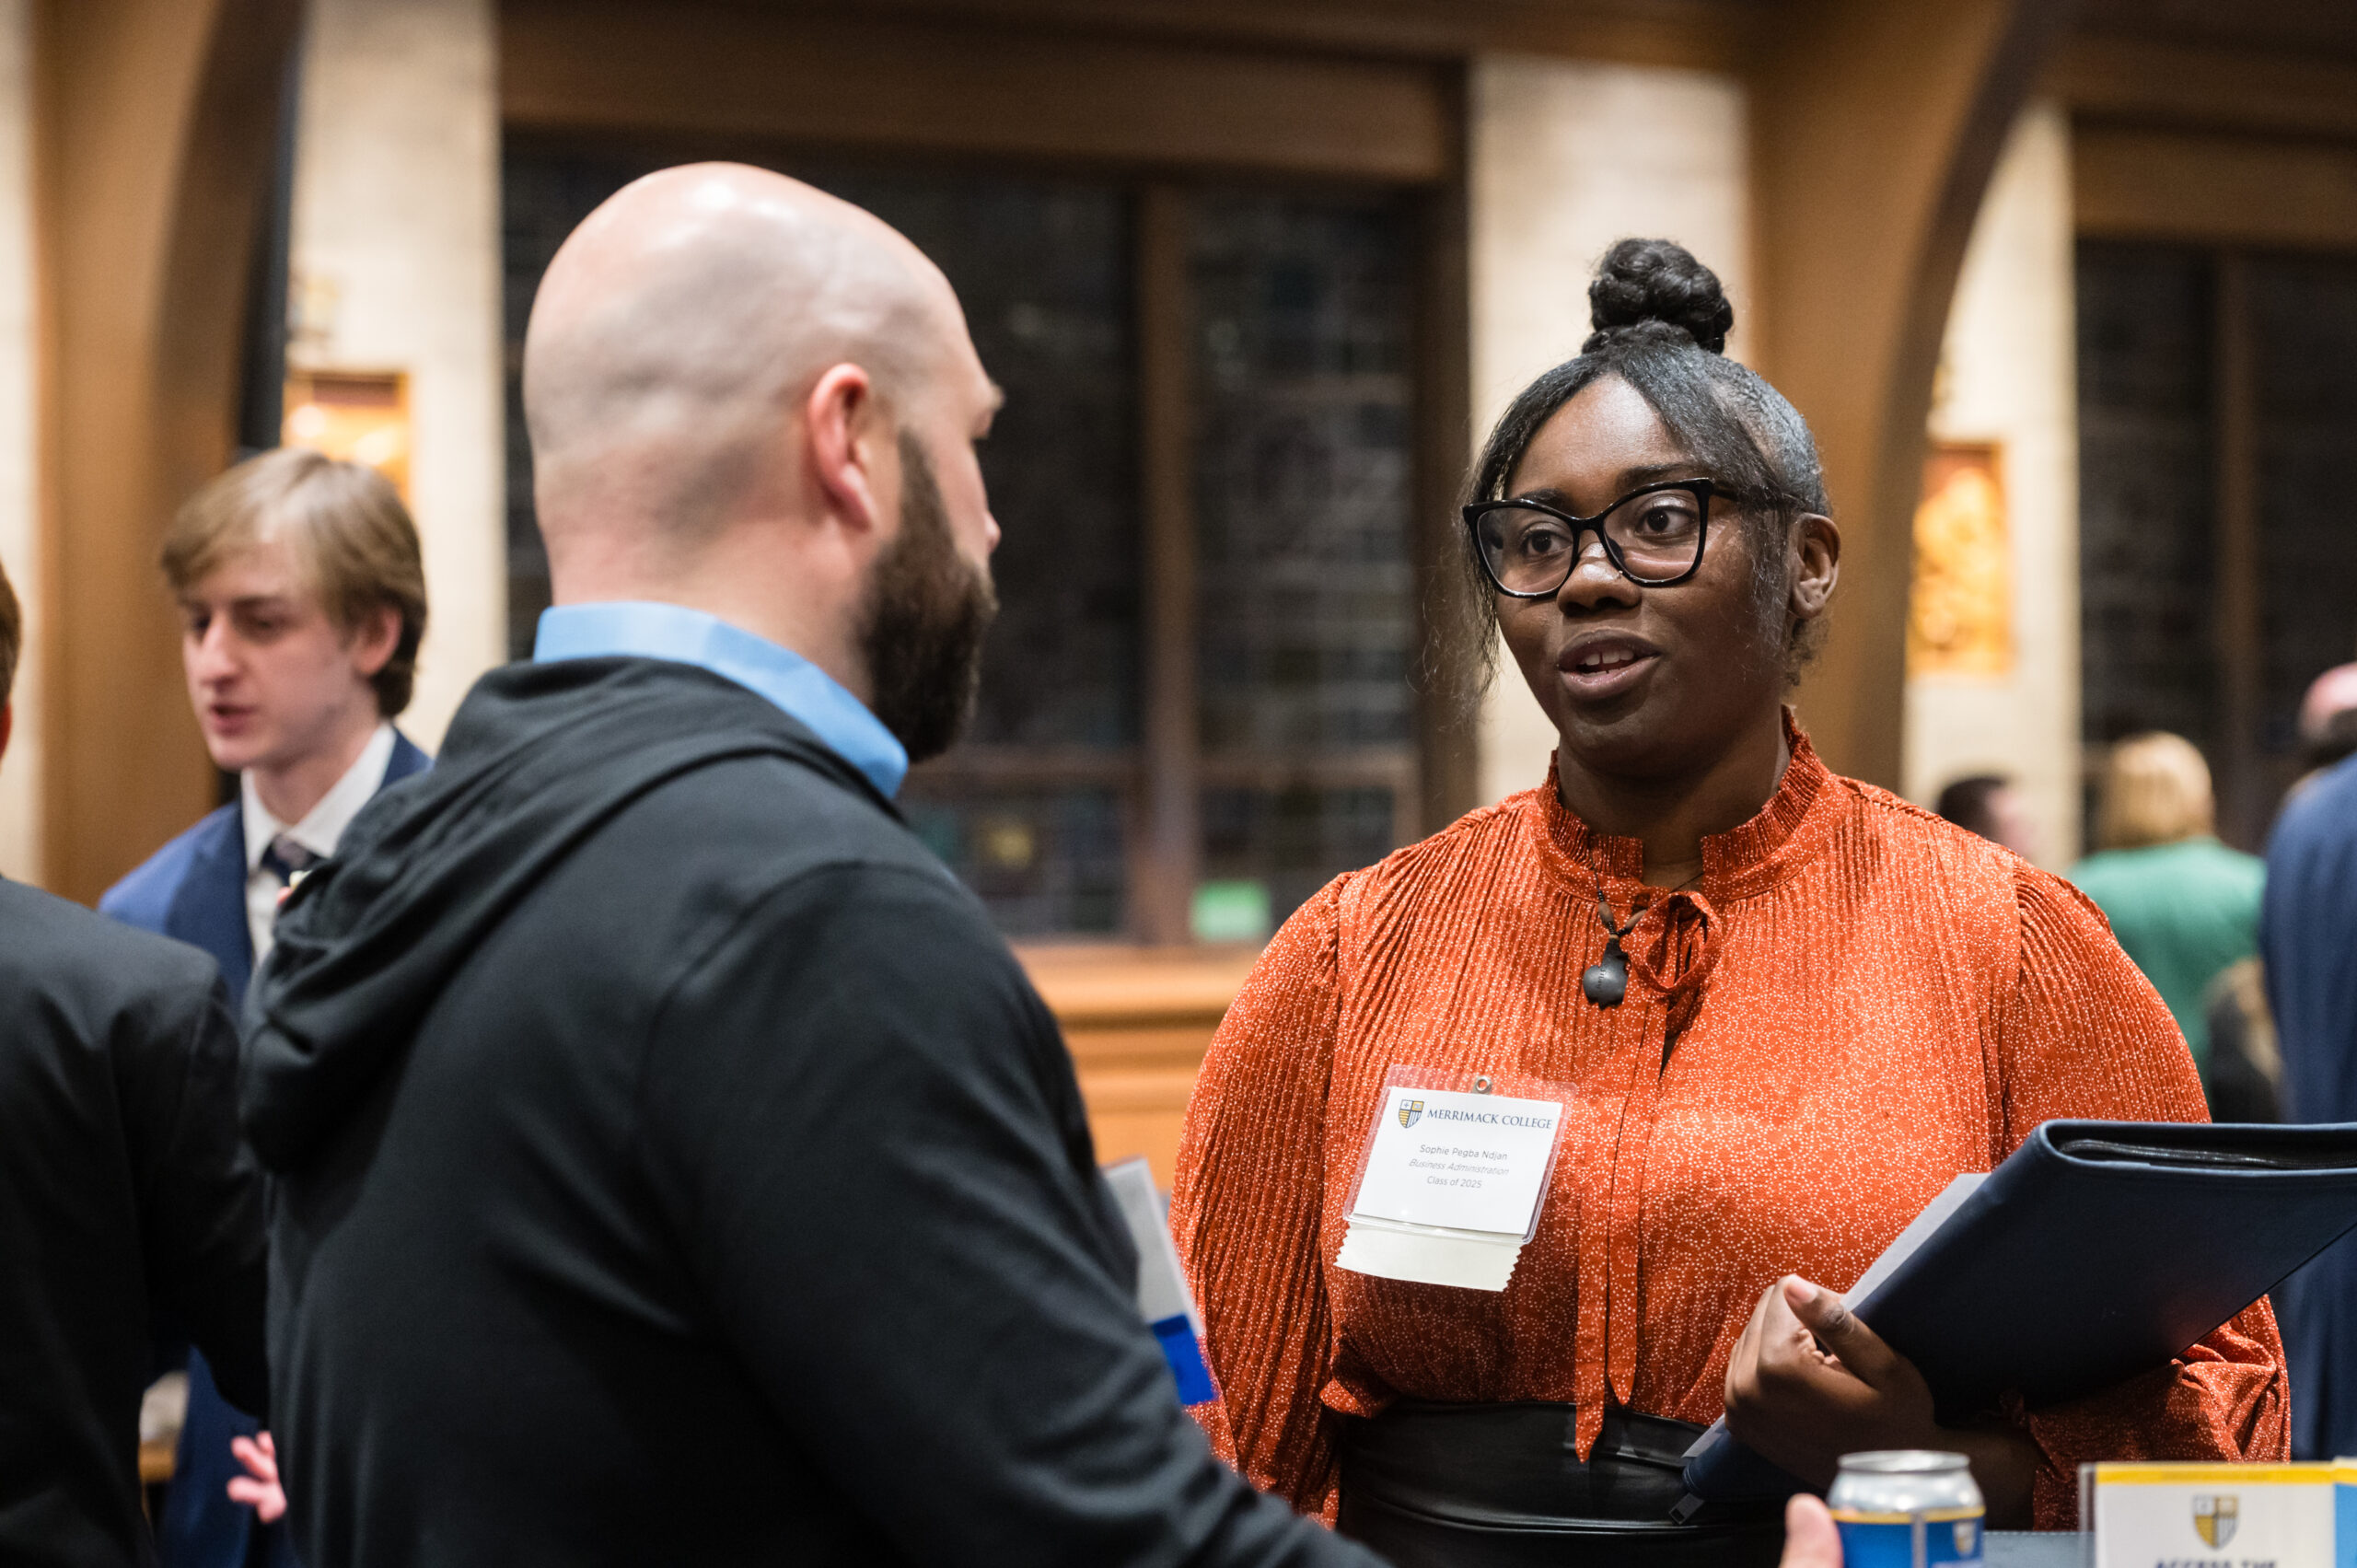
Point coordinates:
[[1410, 1110], [2214, 1519]]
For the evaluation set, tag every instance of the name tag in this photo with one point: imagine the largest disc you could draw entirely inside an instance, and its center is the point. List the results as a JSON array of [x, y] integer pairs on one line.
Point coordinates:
[[2151, 1515], [1451, 1186]]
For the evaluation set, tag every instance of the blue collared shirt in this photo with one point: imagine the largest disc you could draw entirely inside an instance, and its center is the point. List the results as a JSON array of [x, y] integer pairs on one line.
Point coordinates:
[[639, 629]]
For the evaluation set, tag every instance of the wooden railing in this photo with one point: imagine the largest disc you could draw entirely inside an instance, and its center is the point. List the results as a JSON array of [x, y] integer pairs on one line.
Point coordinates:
[[1137, 1020]]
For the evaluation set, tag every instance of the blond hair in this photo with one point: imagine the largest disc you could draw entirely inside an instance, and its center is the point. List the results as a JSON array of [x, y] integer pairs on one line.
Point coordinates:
[[348, 528], [2155, 790], [12, 636]]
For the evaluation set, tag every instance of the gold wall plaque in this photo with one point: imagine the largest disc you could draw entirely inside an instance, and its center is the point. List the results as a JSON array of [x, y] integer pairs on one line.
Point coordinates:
[[1960, 612], [356, 417]]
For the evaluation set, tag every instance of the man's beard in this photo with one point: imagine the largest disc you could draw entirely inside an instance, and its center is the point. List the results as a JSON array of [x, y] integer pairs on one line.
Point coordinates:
[[927, 610]]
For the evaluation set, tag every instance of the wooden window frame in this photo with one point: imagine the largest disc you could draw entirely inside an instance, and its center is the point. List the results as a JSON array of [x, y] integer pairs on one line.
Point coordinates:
[[2242, 793], [1161, 120], [2249, 783], [1431, 779]]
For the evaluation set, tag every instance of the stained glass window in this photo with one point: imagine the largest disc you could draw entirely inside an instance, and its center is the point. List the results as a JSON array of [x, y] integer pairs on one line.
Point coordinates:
[[1298, 350], [1030, 810], [2167, 632], [2147, 494], [2303, 346], [1304, 509]]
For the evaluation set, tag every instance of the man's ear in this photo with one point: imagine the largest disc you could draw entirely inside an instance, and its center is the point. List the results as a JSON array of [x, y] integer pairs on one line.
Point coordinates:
[[850, 447], [373, 641]]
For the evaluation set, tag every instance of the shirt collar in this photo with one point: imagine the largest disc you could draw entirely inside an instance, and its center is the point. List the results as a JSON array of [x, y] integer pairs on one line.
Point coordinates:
[[323, 825], [644, 630], [1786, 833]]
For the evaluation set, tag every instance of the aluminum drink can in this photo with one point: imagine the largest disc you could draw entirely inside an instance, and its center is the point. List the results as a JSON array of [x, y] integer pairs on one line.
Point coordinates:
[[1907, 1508]]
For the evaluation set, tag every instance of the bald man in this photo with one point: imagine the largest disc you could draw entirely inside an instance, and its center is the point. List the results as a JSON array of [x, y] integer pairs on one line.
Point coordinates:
[[671, 1165]]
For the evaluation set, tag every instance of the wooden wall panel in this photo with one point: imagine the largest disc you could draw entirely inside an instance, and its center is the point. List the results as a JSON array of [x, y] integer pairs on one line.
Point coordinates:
[[2130, 183], [1710, 35], [2151, 82], [155, 129], [823, 79], [1138, 1022]]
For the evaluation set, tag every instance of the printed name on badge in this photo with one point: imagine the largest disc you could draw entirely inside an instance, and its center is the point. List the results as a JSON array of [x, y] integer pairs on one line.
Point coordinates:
[[1452, 1186]]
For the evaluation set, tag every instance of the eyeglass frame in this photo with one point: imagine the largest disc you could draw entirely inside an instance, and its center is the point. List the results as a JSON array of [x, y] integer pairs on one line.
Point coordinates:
[[1703, 491]]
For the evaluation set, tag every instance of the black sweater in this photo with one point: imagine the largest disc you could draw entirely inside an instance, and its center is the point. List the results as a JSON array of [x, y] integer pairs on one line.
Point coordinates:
[[125, 1197], [674, 1167]]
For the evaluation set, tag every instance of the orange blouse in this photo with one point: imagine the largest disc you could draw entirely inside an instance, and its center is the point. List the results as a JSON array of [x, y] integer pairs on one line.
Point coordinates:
[[1855, 1003]]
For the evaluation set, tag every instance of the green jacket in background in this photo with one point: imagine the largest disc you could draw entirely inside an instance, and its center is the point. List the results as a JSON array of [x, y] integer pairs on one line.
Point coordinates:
[[2183, 912]]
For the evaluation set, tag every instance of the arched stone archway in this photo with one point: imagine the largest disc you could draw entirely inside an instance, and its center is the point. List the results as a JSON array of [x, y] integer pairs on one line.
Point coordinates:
[[1875, 129], [155, 127]]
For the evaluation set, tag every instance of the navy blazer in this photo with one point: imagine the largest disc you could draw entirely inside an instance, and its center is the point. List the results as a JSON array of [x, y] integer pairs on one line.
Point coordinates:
[[194, 888]]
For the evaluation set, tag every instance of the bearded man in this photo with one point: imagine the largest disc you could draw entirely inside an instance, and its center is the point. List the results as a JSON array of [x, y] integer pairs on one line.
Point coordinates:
[[671, 1165]]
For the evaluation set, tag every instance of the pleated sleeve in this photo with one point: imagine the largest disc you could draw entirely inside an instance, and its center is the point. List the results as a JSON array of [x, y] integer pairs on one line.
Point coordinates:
[[2087, 1036], [1246, 1214]]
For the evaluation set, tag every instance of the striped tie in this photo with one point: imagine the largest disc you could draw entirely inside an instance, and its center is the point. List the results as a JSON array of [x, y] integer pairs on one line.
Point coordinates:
[[286, 860]]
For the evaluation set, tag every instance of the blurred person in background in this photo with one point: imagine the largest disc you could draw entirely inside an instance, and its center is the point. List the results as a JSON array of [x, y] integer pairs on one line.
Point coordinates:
[[1989, 805], [2328, 722], [2245, 1073], [125, 1196], [2244, 1076], [302, 597], [2182, 904], [1732, 970], [2308, 943]]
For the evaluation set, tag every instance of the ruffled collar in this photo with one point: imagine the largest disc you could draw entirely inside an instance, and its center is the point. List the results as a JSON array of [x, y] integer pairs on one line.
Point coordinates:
[[1745, 859], [1673, 944]]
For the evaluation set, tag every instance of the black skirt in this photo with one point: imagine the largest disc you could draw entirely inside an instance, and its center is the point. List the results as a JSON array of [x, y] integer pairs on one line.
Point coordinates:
[[1501, 1486]]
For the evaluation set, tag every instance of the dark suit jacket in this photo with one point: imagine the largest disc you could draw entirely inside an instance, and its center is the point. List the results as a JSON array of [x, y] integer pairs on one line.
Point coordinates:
[[125, 1191], [194, 888]]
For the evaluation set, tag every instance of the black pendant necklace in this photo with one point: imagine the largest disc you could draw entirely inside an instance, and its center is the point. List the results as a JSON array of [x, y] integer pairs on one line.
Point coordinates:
[[1606, 981]]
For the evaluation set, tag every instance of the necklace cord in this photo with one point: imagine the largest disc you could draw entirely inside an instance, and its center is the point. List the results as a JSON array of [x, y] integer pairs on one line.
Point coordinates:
[[1636, 911], [1606, 981]]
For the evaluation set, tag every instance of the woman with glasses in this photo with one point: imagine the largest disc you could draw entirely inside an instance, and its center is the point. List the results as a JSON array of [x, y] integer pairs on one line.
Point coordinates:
[[1776, 1010]]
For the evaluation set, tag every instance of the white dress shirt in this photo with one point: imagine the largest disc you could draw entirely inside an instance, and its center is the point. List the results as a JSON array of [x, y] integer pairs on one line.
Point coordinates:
[[318, 831]]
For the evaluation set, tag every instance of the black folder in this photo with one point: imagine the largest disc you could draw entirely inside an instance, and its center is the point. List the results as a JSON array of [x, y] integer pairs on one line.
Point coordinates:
[[2098, 1250]]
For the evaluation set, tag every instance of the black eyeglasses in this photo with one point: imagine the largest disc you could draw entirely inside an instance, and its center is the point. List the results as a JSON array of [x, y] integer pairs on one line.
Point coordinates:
[[1652, 537]]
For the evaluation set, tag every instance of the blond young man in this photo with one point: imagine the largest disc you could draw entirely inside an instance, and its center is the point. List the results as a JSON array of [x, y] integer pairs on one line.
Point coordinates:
[[302, 598]]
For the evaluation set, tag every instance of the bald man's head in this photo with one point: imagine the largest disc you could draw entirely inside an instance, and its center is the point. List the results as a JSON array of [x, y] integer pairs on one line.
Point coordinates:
[[750, 399], [678, 328]]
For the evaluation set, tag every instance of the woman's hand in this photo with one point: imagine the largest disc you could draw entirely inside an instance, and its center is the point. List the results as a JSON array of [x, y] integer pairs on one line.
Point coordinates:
[[1803, 1407]]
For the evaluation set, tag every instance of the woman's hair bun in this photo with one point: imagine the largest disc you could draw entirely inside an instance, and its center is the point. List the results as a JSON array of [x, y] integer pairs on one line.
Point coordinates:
[[1658, 280]]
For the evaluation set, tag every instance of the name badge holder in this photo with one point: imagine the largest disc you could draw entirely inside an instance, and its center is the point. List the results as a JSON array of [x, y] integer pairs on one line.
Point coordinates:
[[1452, 1176]]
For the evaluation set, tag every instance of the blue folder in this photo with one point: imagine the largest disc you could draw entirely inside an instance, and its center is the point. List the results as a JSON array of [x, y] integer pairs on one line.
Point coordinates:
[[2098, 1250]]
